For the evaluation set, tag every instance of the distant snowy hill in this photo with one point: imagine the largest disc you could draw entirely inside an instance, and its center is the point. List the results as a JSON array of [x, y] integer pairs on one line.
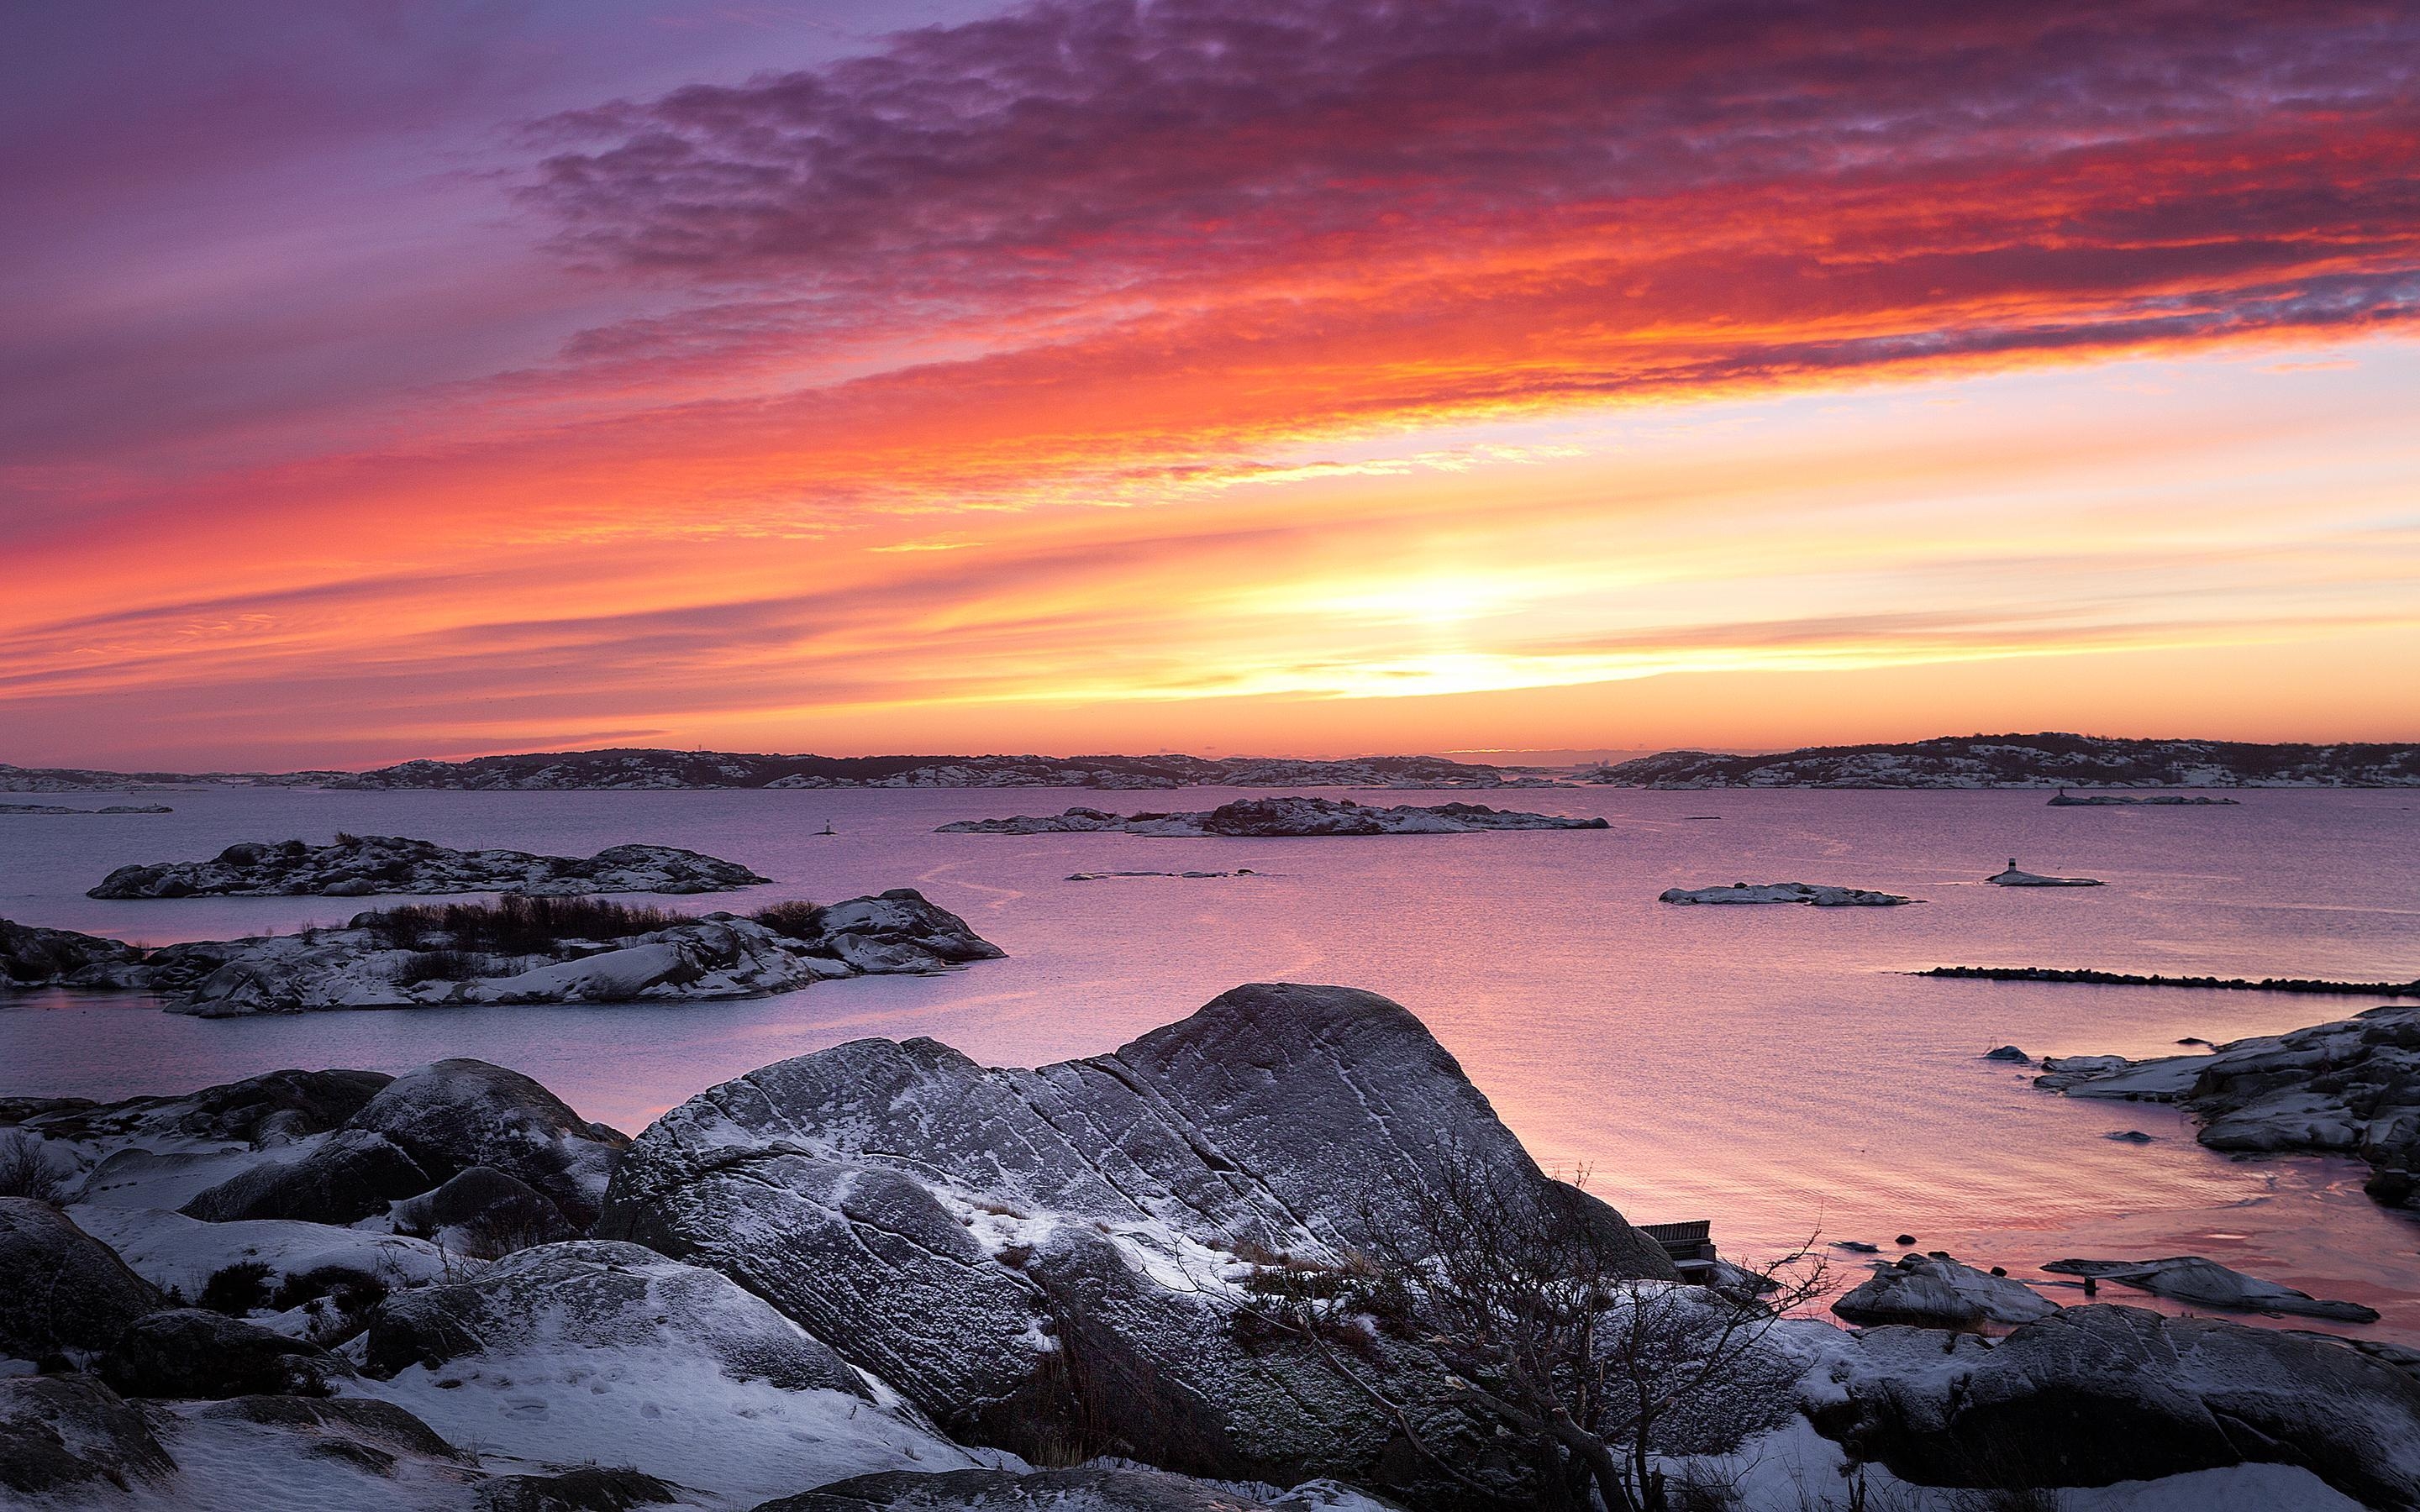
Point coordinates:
[[2039, 761]]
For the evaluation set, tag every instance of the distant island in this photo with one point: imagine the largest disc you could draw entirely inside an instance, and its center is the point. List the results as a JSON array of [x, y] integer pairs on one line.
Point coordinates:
[[2036, 760], [1276, 818], [2039, 761]]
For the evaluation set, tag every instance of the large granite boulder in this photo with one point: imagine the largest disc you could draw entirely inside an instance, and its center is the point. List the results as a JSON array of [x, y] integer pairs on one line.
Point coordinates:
[[1085, 1489], [61, 1289], [2094, 1394], [454, 1115], [71, 1434], [1027, 1255], [188, 1352], [350, 1176]]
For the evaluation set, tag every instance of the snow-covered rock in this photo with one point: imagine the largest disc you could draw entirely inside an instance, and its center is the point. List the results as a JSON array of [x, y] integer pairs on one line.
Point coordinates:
[[1935, 1291], [2096, 1395], [189, 1353], [1029, 1255], [2208, 1284], [597, 1294], [31, 957], [458, 1113], [1816, 894], [358, 866], [71, 1434], [2351, 1086], [173, 1250], [60, 1287], [1275, 818], [610, 1353], [340, 1180]]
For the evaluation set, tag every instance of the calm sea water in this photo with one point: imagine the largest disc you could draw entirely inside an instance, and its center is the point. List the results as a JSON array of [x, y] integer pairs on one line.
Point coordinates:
[[1772, 1069]]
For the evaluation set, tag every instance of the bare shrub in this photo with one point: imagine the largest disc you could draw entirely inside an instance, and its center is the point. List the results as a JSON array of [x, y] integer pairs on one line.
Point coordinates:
[[25, 1168], [236, 1289], [1530, 1299], [512, 924], [799, 920]]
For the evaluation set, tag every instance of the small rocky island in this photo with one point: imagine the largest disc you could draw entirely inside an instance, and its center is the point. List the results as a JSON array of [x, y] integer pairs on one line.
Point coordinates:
[[2015, 878], [884, 1277], [1814, 894], [1278, 818], [29, 809], [516, 950], [2350, 1087], [359, 866]]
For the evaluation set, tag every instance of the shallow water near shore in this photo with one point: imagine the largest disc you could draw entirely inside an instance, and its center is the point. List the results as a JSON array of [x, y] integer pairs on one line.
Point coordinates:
[[1773, 1069]]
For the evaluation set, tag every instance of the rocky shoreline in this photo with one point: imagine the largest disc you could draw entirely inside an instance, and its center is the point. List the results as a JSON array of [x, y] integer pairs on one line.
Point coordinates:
[[518, 952], [2350, 1087], [1278, 818], [881, 1275], [362, 866]]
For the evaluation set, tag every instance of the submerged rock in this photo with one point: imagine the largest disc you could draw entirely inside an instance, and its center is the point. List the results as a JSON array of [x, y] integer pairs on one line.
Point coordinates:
[[1276, 818], [1818, 895], [61, 1289], [2209, 1284], [2008, 1053], [1935, 1291], [1035, 1255], [357, 866], [2099, 1394]]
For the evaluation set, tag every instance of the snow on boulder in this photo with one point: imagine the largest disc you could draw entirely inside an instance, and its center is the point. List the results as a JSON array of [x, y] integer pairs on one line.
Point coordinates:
[[2095, 1394], [456, 1114], [596, 1294], [60, 1287], [343, 1179], [72, 1435], [950, 1227], [171, 1250], [593, 1352], [1935, 1291], [188, 1352], [482, 1210]]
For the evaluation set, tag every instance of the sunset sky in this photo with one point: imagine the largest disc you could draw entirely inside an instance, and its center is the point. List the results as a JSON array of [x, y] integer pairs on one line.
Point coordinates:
[[390, 380]]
